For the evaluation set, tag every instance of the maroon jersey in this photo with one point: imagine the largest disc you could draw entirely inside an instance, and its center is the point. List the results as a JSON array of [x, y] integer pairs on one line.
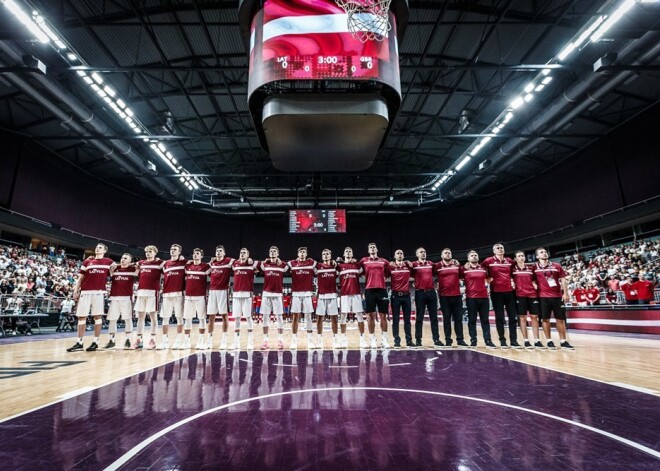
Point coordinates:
[[500, 272], [196, 275], [448, 275], [349, 278], [475, 281], [547, 279], [375, 272], [523, 278], [173, 277], [243, 278], [273, 276], [95, 273], [220, 273], [326, 275], [123, 280], [422, 273], [149, 276], [302, 276], [400, 278]]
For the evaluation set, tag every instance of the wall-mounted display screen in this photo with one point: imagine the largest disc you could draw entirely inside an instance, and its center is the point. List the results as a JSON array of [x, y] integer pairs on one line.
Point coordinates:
[[309, 40], [303, 221]]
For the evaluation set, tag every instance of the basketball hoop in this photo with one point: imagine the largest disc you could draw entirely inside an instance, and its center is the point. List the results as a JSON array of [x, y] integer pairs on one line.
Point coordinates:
[[368, 20]]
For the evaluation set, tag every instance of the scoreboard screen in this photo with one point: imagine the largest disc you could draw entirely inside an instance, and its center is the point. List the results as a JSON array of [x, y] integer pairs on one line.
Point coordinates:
[[309, 40], [305, 221]]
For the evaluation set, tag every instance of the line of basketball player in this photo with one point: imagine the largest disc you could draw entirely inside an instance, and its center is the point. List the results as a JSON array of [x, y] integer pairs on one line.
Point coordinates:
[[196, 289]]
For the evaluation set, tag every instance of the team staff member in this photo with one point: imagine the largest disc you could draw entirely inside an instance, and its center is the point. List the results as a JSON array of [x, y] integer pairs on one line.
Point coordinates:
[[197, 273], [244, 269], [376, 270], [121, 296], [400, 271], [451, 302], [146, 302], [350, 298], [173, 281], [218, 302], [273, 270], [88, 293], [302, 287], [553, 289], [527, 301], [425, 298], [501, 294], [475, 278], [326, 277]]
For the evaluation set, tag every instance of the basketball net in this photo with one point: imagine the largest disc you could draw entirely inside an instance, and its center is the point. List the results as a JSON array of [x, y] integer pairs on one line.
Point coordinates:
[[368, 20]]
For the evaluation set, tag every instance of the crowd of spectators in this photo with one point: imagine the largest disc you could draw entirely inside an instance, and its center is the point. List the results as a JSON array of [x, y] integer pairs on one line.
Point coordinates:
[[621, 274], [36, 274]]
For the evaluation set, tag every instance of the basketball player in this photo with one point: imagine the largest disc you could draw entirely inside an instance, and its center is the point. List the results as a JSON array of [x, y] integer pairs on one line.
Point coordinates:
[[376, 270], [501, 294], [326, 275], [400, 271], [302, 286], [244, 269], [271, 301], [527, 301], [350, 298], [173, 281], [88, 293], [219, 294], [553, 292], [146, 302], [197, 273], [451, 301], [121, 296], [475, 278]]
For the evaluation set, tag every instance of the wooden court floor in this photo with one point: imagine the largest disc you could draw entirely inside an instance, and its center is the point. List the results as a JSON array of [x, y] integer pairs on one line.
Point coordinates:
[[41, 372]]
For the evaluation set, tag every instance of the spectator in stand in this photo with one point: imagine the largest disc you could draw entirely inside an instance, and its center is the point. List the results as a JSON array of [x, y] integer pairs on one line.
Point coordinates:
[[644, 288], [629, 291], [613, 283], [579, 294], [592, 294], [611, 297]]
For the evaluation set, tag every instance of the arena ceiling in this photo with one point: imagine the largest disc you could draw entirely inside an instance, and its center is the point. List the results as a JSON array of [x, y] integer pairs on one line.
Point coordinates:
[[181, 66]]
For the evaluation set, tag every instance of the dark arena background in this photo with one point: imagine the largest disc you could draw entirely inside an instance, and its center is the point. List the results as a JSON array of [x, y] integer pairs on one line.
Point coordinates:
[[330, 124]]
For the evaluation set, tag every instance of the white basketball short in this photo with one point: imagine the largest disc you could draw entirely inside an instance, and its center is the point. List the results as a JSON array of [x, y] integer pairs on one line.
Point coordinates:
[[351, 303], [120, 306], [272, 304], [218, 302], [90, 303], [194, 305], [327, 307], [301, 304], [241, 307], [172, 304], [146, 304]]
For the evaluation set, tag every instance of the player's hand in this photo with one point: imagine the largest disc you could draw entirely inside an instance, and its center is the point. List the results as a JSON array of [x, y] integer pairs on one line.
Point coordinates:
[[333, 263]]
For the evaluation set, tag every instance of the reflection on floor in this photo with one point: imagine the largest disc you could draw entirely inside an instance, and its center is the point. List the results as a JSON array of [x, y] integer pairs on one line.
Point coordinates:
[[456, 409]]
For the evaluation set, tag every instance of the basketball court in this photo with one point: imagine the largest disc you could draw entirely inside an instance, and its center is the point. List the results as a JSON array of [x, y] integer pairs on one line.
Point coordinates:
[[595, 408]]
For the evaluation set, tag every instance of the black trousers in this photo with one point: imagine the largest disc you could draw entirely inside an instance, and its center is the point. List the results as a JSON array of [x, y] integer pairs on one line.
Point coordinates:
[[478, 307], [500, 302], [452, 311], [426, 299], [401, 302]]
